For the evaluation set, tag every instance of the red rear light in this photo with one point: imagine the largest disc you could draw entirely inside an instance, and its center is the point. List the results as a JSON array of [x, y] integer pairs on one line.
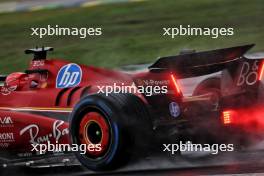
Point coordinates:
[[177, 87], [261, 71], [227, 117]]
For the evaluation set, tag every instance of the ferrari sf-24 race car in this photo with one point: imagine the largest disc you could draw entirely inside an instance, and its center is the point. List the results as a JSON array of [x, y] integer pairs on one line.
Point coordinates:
[[59, 102]]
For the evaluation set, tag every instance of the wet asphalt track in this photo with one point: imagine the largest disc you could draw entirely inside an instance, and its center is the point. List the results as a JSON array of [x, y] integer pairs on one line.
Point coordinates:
[[248, 162]]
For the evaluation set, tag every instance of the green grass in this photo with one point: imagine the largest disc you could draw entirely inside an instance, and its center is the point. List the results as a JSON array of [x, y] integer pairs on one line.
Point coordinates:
[[132, 32]]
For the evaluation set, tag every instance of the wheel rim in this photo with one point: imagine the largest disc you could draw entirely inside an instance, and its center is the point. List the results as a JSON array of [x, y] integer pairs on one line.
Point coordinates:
[[215, 100], [214, 97], [94, 129]]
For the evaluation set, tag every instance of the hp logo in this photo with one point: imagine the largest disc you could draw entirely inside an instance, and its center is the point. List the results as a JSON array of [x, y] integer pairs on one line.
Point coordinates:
[[69, 75], [174, 109]]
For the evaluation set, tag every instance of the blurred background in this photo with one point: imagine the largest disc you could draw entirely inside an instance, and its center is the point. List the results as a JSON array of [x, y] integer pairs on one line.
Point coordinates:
[[132, 30]]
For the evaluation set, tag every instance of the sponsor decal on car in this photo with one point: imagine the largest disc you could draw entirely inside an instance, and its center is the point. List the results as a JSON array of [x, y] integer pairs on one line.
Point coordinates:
[[4, 145], [69, 75], [152, 82], [37, 63], [7, 90], [248, 74], [174, 109], [6, 122], [56, 133], [7, 137], [22, 155]]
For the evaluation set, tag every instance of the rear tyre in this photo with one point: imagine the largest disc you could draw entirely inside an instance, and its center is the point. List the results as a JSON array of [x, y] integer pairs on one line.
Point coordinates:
[[210, 86], [208, 126], [119, 123]]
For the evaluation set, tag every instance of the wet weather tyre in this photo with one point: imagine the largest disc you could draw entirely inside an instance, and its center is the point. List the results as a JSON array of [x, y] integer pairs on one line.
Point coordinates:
[[118, 122], [211, 85], [208, 132]]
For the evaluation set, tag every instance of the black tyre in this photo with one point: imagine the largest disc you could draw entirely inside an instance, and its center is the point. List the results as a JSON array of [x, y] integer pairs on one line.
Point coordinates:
[[210, 86], [119, 123], [207, 126]]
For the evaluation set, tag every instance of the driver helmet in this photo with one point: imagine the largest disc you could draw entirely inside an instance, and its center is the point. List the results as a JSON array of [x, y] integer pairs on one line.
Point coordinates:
[[15, 80]]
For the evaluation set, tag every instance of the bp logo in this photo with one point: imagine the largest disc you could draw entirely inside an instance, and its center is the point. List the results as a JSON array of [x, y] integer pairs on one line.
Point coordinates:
[[69, 75], [174, 109]]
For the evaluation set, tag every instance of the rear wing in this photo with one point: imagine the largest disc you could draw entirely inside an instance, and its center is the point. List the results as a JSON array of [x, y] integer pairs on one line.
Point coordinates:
[[200, 63]]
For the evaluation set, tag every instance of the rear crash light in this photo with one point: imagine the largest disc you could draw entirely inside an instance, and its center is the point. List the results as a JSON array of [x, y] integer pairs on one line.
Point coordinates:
[[176, 85], [246, 119], [227, 117]]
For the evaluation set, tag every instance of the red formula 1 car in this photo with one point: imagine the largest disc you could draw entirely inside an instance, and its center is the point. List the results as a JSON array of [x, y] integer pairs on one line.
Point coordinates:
[[115, 113]]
